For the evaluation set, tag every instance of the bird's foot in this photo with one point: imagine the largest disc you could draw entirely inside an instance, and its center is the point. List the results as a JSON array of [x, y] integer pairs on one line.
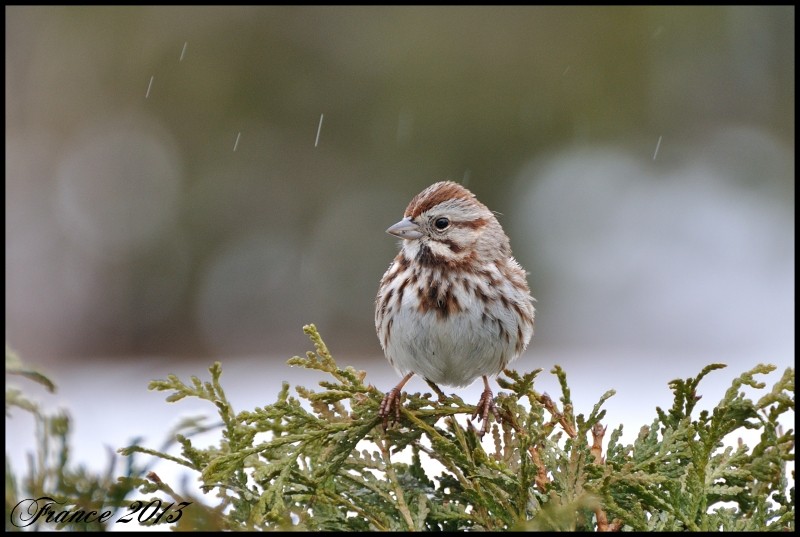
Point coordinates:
[[389, 410], [486, 405]]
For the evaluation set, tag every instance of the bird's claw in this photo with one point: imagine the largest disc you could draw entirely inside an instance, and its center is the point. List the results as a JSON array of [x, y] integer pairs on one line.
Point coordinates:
[[486, 405], [389, 411]]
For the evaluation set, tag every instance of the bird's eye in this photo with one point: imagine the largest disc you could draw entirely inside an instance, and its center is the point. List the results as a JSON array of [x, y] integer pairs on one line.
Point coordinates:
[[441, 223]]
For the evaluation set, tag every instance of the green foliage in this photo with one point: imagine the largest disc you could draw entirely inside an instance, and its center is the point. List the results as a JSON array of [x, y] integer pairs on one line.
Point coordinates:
[[51, 472], [322, 461]]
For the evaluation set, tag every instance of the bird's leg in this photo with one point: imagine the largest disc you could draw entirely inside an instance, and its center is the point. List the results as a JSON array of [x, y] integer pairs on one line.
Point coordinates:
[[392, 402], [437, 389], [486, 405]]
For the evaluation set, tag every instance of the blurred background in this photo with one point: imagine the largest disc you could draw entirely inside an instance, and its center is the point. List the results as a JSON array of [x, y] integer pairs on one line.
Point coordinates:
[[191, 184]]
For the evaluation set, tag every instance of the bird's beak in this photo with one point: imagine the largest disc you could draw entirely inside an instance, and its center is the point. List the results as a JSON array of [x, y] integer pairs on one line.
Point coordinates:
[[405, 229]]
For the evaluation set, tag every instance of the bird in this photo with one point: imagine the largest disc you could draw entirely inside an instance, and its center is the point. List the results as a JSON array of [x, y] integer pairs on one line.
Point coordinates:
[[454, 305]]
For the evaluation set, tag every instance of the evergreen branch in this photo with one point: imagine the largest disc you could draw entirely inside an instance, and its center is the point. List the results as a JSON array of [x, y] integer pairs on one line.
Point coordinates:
[[321, 461]]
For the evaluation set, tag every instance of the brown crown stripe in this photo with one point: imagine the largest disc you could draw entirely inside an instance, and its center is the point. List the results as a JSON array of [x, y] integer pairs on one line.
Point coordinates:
[[436, 194]]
